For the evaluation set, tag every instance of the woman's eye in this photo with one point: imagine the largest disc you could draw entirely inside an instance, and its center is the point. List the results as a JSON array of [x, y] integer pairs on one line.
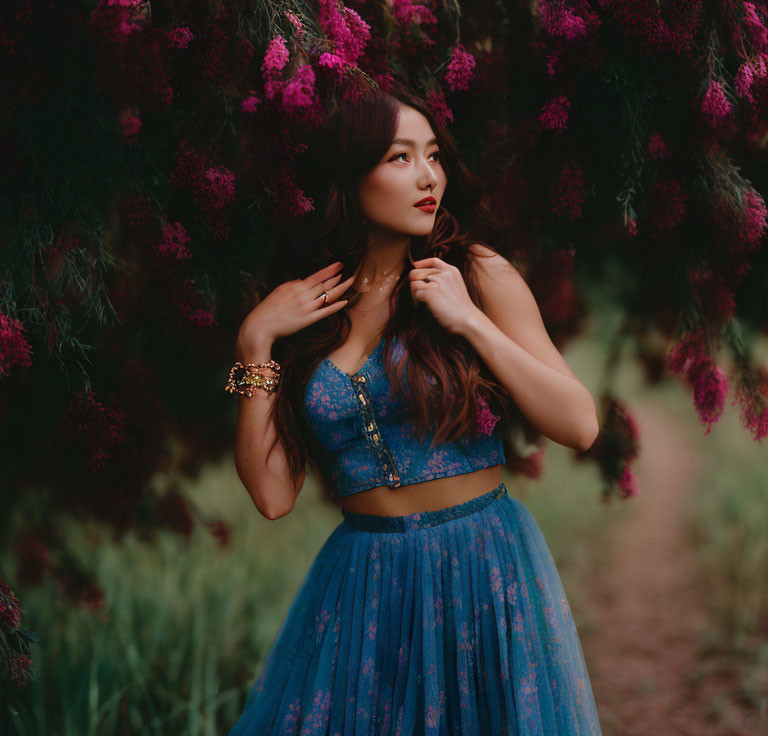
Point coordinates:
[[436, 154]]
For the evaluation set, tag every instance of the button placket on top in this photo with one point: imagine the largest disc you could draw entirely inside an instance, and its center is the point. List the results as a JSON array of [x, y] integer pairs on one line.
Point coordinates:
[[372, 432]]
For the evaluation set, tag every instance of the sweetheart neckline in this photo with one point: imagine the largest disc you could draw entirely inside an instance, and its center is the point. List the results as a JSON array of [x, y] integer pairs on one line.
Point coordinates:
[[362, 367]]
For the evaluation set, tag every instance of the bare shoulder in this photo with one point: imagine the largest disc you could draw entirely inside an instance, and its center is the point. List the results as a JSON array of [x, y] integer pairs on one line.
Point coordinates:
[[489, 267], [509, 303]]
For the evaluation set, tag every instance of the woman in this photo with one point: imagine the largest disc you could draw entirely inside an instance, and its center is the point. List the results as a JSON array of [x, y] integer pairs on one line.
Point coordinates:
[[434, 607]]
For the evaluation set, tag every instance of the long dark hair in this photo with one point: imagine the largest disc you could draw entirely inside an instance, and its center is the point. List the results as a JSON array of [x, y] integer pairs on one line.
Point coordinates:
[[445, 375]]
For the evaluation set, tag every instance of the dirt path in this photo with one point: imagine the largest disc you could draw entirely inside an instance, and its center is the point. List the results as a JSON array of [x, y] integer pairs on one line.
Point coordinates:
[[649, 610]]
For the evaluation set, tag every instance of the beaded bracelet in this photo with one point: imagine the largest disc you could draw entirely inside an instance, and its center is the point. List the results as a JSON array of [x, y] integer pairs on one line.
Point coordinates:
[[243, 379]]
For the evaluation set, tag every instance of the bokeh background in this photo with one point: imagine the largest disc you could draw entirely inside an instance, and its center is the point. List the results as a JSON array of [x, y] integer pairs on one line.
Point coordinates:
[[150, 157]]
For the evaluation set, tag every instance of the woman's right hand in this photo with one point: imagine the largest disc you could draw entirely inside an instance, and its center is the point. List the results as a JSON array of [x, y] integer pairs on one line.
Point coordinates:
[[293, 305]]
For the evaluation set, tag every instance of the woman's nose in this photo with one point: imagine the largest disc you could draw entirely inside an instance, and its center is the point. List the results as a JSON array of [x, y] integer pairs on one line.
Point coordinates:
[[428, 175]]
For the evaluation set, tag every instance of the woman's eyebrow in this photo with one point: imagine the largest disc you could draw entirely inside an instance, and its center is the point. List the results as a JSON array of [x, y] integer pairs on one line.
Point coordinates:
[[409, 142]]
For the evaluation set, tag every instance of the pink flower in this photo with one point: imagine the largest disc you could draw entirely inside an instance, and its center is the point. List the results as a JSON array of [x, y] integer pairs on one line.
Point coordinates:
[[715, 104], [300, 90], [438, 106], [709, 392], [175, 241], [486, 419], [756, 27], [560, 21], [459, 70], [332, 61], [552, 59], [406, 12], [250, 103], [14, 348], [221, 186], [752, 397], [99, 426], [628, 483], [295, 22], [743, 82], [690, 353], [657, 148], [10, 611], [180, 37], [344, 28], [275, 57], [567, 195], [554, 115], [668, 206], [755, 217]]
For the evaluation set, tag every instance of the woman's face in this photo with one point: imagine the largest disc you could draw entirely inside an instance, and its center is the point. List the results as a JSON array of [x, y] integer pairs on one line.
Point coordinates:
[[409, 171]]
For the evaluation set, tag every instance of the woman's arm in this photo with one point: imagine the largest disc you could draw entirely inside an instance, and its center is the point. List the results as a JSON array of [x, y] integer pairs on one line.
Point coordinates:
[[510, 337], [267, 479]]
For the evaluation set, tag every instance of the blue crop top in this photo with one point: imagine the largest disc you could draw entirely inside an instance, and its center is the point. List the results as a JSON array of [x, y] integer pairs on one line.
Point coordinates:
[[370, 440]]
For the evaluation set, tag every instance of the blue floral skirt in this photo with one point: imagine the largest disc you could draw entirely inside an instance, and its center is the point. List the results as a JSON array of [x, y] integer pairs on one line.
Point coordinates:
[[451, 621]]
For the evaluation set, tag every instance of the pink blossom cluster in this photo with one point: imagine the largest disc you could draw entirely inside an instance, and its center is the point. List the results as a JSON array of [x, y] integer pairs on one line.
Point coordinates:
[[175, 241], [752, 398], [211, 185], [652, 27], [299, 91], [554, 114], [460, 69], [747, 73], [711, 295], [486, 419], [130, 14], [567, 194], [667, 205], [756, 27], [739, 232], [691, 359], [657, 148], [715, 105], [10, 610], [99, 426], [345, 29], [180, 37], [559, 20], [14, 348], [275, 59], [438, 106], [295, 22], [250, 103], [407, 12]]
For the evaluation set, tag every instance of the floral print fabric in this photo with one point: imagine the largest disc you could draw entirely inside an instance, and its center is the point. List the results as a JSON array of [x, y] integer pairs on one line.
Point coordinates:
[[441, 623], [370, 439]]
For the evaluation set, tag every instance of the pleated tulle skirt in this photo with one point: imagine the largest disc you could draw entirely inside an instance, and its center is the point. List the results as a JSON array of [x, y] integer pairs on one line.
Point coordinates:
[[441, 622]]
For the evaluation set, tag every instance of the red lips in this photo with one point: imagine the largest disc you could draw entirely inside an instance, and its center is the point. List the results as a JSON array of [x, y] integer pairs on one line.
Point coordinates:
[[426, 200]]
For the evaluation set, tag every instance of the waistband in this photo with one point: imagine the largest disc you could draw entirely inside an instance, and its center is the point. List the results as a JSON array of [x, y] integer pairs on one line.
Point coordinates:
[[421, 519]]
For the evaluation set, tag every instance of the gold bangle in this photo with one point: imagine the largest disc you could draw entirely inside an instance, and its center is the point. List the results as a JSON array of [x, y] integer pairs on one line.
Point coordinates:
[[243, 379]]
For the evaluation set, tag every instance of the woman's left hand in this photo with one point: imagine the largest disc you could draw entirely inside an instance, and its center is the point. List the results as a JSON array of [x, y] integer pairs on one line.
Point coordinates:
[[445, 293]]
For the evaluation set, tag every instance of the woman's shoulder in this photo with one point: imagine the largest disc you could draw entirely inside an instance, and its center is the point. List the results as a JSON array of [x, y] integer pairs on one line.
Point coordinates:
[[486, 260]]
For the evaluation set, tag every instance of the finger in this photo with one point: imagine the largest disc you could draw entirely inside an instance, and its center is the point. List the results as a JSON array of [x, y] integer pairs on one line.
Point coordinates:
[[420, 273], [433, 261], [340, 288], [323, 285], [315, 278], [330, 308], [337, 290]]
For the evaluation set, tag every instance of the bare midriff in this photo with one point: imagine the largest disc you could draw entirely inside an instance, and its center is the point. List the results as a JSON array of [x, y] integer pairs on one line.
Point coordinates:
[[429, 495]]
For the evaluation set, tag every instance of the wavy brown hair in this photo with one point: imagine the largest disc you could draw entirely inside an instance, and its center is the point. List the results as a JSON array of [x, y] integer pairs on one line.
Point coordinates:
[[445, 374]]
